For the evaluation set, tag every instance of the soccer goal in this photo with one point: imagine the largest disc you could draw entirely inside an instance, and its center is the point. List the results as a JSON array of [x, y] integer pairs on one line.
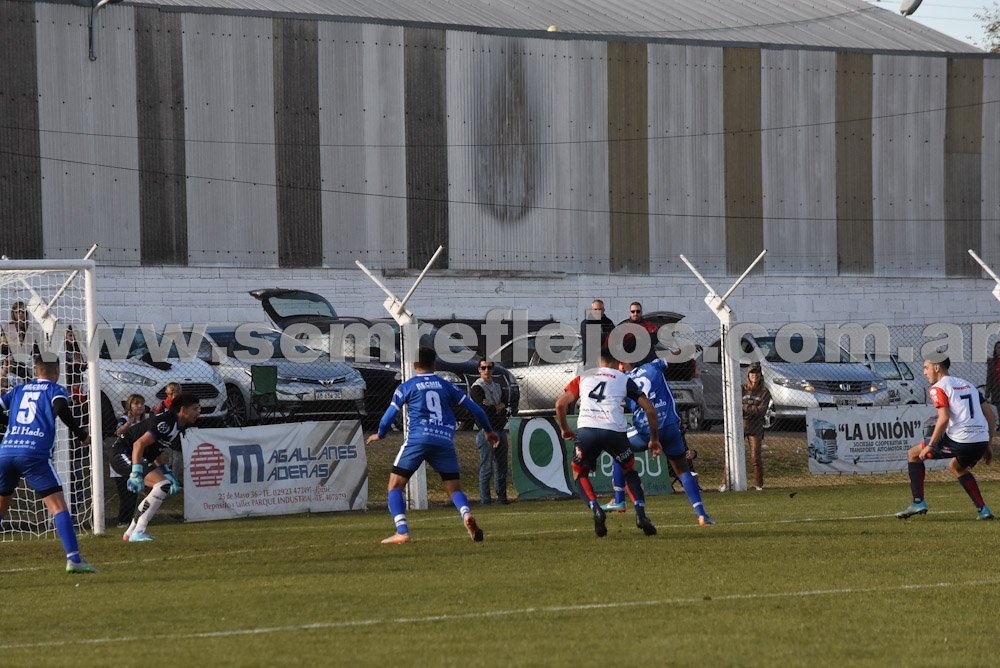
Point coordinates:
[[48, 307]]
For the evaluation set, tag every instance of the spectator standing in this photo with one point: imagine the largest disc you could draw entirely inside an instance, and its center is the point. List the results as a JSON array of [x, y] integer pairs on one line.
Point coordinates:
[[171, 390], [636, 317], [135, 411], [756, 400], [596, 325], [493, 399]]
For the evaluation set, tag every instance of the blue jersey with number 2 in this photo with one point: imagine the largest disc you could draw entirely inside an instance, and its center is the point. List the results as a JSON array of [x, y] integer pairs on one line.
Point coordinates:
[[31, 421], [430, 400]]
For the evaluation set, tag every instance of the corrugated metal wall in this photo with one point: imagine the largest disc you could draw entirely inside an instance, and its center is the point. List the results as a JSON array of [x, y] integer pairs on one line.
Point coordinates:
[[529, 157], [363, 149], [908, 165], [20, 167], [798, 151], [991, 162], [229, 128], [233, 140], [687, 194], [89, 148]]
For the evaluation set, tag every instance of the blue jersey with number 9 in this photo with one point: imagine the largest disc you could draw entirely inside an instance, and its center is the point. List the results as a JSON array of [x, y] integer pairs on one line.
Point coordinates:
[[31, 421], [429, 400]]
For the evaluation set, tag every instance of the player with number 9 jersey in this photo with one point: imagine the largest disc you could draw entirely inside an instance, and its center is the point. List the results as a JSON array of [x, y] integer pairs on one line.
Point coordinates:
[[430, 401]]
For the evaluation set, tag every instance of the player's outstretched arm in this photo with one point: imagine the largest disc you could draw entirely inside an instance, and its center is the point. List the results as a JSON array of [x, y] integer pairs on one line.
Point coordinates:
[[654, 424]]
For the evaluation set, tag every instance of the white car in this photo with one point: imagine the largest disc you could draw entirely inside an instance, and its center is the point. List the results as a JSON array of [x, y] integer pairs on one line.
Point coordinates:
[[319, 389], [905, 386], [134, 370]]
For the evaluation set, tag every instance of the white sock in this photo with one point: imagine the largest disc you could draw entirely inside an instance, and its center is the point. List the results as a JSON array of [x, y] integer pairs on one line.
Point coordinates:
[[150, 505]]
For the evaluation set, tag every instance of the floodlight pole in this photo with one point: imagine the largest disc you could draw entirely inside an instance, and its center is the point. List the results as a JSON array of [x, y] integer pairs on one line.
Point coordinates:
[[409, 341], [732, 410], [986, 268]]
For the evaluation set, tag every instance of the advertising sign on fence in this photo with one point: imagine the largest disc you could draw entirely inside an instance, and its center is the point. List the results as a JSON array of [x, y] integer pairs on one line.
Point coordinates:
[[541, 462], [867, 440], [274, 470]]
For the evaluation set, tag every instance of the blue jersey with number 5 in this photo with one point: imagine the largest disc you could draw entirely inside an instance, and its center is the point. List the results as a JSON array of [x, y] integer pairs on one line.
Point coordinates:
[[31, 420], [430, 401]]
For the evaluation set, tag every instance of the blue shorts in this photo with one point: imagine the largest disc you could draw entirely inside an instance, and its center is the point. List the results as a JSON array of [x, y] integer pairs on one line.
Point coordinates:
[[442, 458], [967, 454], [38, 472], [671, 440]]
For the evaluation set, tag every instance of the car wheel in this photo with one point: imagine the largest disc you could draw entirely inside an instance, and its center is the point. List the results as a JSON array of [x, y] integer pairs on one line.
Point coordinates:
[[236, 407], [694, 418]]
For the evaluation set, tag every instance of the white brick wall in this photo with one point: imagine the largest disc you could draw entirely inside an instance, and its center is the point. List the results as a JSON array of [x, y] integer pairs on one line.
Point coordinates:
[[172, 294]]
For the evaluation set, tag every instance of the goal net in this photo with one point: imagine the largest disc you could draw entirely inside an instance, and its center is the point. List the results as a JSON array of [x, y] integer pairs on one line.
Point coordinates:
[[47, 307]]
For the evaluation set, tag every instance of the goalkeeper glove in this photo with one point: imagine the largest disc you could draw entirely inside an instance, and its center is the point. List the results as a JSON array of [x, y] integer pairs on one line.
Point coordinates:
[[175, 486], [135, 480]]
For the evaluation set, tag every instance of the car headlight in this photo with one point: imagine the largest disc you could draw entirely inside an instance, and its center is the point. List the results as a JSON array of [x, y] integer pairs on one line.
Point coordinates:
[[879, 385], [450, 377], [794, 384], [132, 378]]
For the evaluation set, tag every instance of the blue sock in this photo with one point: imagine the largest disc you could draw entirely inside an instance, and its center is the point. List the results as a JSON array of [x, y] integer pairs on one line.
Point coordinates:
[[67, 534], [397, 508], [461, 502], [618, 482], [693, 492]]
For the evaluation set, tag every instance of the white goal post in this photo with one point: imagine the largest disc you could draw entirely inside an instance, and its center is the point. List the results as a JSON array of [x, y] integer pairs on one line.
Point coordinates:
[[49, 307]]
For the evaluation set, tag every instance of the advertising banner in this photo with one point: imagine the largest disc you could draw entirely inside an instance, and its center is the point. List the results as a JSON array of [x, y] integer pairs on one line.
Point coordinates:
[[541, 462], [274, 469], [867, 440]]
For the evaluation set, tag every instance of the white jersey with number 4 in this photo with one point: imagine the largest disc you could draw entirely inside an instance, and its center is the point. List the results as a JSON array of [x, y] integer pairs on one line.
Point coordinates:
[[601, 392], [966, 422]]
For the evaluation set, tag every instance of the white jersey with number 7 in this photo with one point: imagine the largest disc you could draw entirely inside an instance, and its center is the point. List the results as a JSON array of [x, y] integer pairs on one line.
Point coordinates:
[[966, 422]]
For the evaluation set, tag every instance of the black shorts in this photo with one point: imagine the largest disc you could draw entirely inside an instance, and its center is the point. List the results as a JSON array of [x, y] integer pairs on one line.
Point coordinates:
[[591, 442], [967, 454], [121, 459]]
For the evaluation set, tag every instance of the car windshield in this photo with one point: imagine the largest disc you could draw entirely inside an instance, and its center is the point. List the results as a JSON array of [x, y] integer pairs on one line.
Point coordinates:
[[886, 370], [279, 343], [114, 336], [796, 344]]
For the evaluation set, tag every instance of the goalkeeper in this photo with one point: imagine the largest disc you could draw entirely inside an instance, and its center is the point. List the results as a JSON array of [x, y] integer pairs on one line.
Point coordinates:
[[137, 454]]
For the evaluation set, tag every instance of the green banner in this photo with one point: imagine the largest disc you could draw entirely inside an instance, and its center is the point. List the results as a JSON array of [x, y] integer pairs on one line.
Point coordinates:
[[541, 462]]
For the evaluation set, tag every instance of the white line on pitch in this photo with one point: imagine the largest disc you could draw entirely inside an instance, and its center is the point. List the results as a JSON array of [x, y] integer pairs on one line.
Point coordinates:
[[486, 614]]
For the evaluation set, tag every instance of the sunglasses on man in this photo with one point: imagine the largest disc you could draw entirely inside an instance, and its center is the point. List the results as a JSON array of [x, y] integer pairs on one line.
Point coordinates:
[[485, 367]]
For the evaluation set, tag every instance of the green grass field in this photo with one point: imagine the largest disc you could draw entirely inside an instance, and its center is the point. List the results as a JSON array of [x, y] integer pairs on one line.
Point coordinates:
[[801, 574]]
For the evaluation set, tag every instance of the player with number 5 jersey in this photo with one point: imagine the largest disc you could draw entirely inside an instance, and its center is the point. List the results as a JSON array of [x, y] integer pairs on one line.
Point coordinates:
[[430, 402], [963, 433], [27, 449]]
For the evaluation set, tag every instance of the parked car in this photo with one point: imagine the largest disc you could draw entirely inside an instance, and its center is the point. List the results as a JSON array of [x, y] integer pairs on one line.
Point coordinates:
[[290, 307], [318, 389], [132, 369], [795, 386], [542, 372], [904, 386]]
